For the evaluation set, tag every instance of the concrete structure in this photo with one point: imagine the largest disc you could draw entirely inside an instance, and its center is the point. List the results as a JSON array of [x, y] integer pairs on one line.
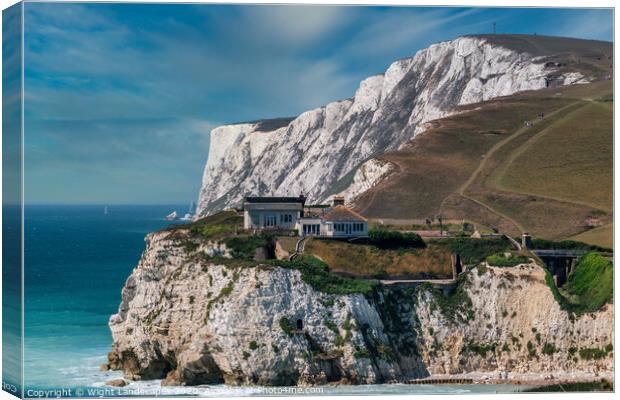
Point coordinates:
[[291, 213]]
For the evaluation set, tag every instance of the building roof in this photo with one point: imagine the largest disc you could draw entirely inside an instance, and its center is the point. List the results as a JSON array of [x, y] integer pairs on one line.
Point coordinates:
[[265, 199], [342, 213]]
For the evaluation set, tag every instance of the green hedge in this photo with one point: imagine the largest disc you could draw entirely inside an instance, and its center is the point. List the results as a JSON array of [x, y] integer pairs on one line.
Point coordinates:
[[474, 251], [395, 240], [500, 260], [538, 243]]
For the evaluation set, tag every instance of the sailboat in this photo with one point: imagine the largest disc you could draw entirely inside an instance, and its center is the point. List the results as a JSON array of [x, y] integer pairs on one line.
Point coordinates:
[[172, 216], [105, 210]]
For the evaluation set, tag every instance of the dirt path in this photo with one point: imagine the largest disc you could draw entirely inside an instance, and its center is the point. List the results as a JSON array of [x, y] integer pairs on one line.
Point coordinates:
[[488, 156]]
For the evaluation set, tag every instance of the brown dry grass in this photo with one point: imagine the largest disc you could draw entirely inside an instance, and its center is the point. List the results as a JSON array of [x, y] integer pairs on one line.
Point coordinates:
[[366, 260], [447, 169]]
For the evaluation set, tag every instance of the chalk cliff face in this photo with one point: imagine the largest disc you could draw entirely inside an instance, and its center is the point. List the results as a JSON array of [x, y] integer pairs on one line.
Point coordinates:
[[188, 321], [318, 152]]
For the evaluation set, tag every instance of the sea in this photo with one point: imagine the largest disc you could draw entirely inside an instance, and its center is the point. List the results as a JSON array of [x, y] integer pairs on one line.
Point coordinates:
[[77, 259]]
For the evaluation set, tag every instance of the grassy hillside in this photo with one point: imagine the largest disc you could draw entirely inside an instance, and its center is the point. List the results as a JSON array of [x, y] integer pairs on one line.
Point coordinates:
[[591, 283], [582, 149], [552, 179], [601, 236]]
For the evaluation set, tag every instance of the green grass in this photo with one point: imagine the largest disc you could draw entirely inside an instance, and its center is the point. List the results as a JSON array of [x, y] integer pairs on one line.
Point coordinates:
[[500, 260], [473, 251], [215, 226], [286, 326], [385, 239], [479, 348], [456, 306], [538, 243], [589, 286], [316, 273], [591, 282], [244, 246], [594, 353]]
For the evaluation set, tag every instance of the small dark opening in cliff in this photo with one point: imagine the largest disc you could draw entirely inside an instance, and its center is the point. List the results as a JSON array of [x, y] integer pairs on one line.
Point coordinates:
[[300, 324]]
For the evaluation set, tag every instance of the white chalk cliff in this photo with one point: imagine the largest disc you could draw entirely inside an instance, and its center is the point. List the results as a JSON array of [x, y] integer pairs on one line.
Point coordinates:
[[190, 320], [318, 152]]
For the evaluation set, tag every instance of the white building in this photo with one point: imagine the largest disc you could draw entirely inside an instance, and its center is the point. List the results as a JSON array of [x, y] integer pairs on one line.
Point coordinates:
[[272, 212], [336, 221]]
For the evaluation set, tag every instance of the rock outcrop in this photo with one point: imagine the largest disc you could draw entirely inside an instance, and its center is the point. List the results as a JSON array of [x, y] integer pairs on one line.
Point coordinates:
[[188, 320], [318, 152]]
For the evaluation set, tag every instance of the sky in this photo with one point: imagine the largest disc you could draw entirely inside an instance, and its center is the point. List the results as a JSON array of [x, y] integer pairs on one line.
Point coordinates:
[[120, 98]]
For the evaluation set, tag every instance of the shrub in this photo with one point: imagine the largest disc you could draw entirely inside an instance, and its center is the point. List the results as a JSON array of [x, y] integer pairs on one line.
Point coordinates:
[[394, 239], [479, 348], [531, 349], [361, 353], [591, 282], [316, 273], [286, 326], [549, 348], [538, 243], [592, 353], [473, 251], [331, 326], [500, 260], [253, 345], [244, 246]]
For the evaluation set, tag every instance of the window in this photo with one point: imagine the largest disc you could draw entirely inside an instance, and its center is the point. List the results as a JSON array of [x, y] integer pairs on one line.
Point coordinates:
[[284, 218]]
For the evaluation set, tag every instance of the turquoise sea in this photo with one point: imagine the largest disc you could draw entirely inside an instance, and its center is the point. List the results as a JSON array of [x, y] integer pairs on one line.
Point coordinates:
[[76, 262]]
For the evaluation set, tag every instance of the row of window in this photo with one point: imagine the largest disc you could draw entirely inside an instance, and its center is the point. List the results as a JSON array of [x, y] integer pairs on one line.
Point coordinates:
[[286, 218], [349, 227]]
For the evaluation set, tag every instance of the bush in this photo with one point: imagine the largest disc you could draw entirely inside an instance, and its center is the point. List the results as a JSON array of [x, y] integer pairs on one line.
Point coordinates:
[[316, 273], [479, 348], [253, 345], [593, 353], [500, 260], [538, 243], [591, 282], [473, 251], [286, 326], [549, 348], [395, 240], [244, 246]]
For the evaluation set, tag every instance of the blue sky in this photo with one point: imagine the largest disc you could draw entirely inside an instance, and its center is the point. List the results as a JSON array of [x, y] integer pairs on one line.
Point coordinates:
[[120, 98]]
